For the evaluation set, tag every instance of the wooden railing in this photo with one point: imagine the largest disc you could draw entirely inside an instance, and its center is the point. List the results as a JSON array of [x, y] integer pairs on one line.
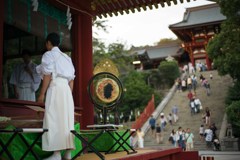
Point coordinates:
[[145, 114]]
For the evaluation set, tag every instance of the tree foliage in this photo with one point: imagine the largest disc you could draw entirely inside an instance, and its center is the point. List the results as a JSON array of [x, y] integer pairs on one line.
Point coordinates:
[[233, 93], [233, 107], [224, 49], [233, 112], [119, 55], [169, 72], [167, 40], [138, 93]]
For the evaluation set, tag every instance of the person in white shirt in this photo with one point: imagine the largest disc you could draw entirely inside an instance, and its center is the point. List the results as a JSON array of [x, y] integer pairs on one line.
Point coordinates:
[[180, 138], [163, 121], [57, 72], [173, 138], [184, 85], [198, 104], [208, 137], [140, 136], [189, 83], [25, 79]]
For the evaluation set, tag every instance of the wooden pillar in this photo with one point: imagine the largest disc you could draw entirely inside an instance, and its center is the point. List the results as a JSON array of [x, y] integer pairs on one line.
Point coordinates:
[[82, 59], [191, 55], [1, 42], [208, 62]]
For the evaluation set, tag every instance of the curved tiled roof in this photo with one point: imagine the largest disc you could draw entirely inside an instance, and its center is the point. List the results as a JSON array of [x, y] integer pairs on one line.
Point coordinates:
[[159, 52], [163, 52], [200, 15]]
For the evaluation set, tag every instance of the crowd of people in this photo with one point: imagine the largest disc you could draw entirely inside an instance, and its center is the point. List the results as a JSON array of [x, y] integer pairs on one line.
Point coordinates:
[[184, 138]]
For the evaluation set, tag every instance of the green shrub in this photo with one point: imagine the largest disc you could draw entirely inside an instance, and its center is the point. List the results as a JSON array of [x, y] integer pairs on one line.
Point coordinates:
[[233, 112], [169, 72], [233, 93]]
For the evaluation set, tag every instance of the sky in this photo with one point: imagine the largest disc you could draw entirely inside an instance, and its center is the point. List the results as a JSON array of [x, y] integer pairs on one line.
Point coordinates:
[[145, 27]]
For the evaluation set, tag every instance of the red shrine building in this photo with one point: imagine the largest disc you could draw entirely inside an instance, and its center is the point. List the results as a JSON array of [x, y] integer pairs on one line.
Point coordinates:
[[198, 26], [24, 24]]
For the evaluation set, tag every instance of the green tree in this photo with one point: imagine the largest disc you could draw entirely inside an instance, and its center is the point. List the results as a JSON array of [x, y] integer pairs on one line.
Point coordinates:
[[99, 47], [137, 92], [169, 72], [154, 79], [224, 49], [233, 112], [167, 40], [233, 93], [119, 55]]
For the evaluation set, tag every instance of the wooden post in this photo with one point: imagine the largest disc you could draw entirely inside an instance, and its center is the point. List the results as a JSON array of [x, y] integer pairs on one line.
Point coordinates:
[[1, 43], [208, 62], [82, 59]]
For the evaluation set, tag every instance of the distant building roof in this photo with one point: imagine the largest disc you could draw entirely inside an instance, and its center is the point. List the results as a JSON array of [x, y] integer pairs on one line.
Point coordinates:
[[163, 52], [160, 52], [141, 52], [200, 15]]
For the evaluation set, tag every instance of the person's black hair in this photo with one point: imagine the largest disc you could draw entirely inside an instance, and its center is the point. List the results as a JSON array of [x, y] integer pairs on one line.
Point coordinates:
[[26, 52], [53, 38]]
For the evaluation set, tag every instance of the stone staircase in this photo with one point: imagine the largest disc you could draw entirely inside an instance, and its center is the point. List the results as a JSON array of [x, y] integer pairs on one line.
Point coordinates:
[[219, 86]]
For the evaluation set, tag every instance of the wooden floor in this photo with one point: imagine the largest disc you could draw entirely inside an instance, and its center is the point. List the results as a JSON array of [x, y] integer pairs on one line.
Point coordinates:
[[114, 156]]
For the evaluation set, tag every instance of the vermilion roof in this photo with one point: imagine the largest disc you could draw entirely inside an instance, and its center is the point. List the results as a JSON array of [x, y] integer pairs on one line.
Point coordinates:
[[100, 8]]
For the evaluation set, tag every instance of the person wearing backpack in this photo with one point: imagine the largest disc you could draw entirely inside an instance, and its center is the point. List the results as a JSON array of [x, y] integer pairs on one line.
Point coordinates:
[[152, 123], [189, 140], [180, 138]]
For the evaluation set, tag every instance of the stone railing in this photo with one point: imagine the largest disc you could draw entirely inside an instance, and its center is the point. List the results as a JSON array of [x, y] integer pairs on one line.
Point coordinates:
[[158, 109]]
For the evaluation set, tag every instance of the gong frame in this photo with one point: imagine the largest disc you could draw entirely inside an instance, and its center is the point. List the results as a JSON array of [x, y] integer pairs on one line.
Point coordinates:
[[103, 106]]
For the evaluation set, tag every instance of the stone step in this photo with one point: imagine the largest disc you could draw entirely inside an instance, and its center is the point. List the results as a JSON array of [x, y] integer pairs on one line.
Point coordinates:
[[215, 102]]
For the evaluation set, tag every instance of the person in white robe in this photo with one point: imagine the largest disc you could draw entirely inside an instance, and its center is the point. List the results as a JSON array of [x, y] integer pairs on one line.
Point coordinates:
[[57, 72], [25, 79], [140, 136]]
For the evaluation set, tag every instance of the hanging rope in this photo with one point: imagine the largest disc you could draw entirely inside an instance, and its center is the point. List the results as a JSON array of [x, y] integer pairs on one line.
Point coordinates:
[[79, 10]]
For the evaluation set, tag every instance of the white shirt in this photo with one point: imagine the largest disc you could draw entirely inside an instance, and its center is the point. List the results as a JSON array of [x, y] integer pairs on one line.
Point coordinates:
[[192, 104], [140, 135], [174, 136], [183, 83], [162, 120], [197, 102], [209, 135], [21, 78], [178, 133], [201, 130], [55, 61], [169, 117], [189, 81]]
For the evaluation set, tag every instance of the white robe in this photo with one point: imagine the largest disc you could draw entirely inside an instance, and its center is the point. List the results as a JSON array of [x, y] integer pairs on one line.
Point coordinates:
[[59, 106], [140, 136], [26, 85]]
